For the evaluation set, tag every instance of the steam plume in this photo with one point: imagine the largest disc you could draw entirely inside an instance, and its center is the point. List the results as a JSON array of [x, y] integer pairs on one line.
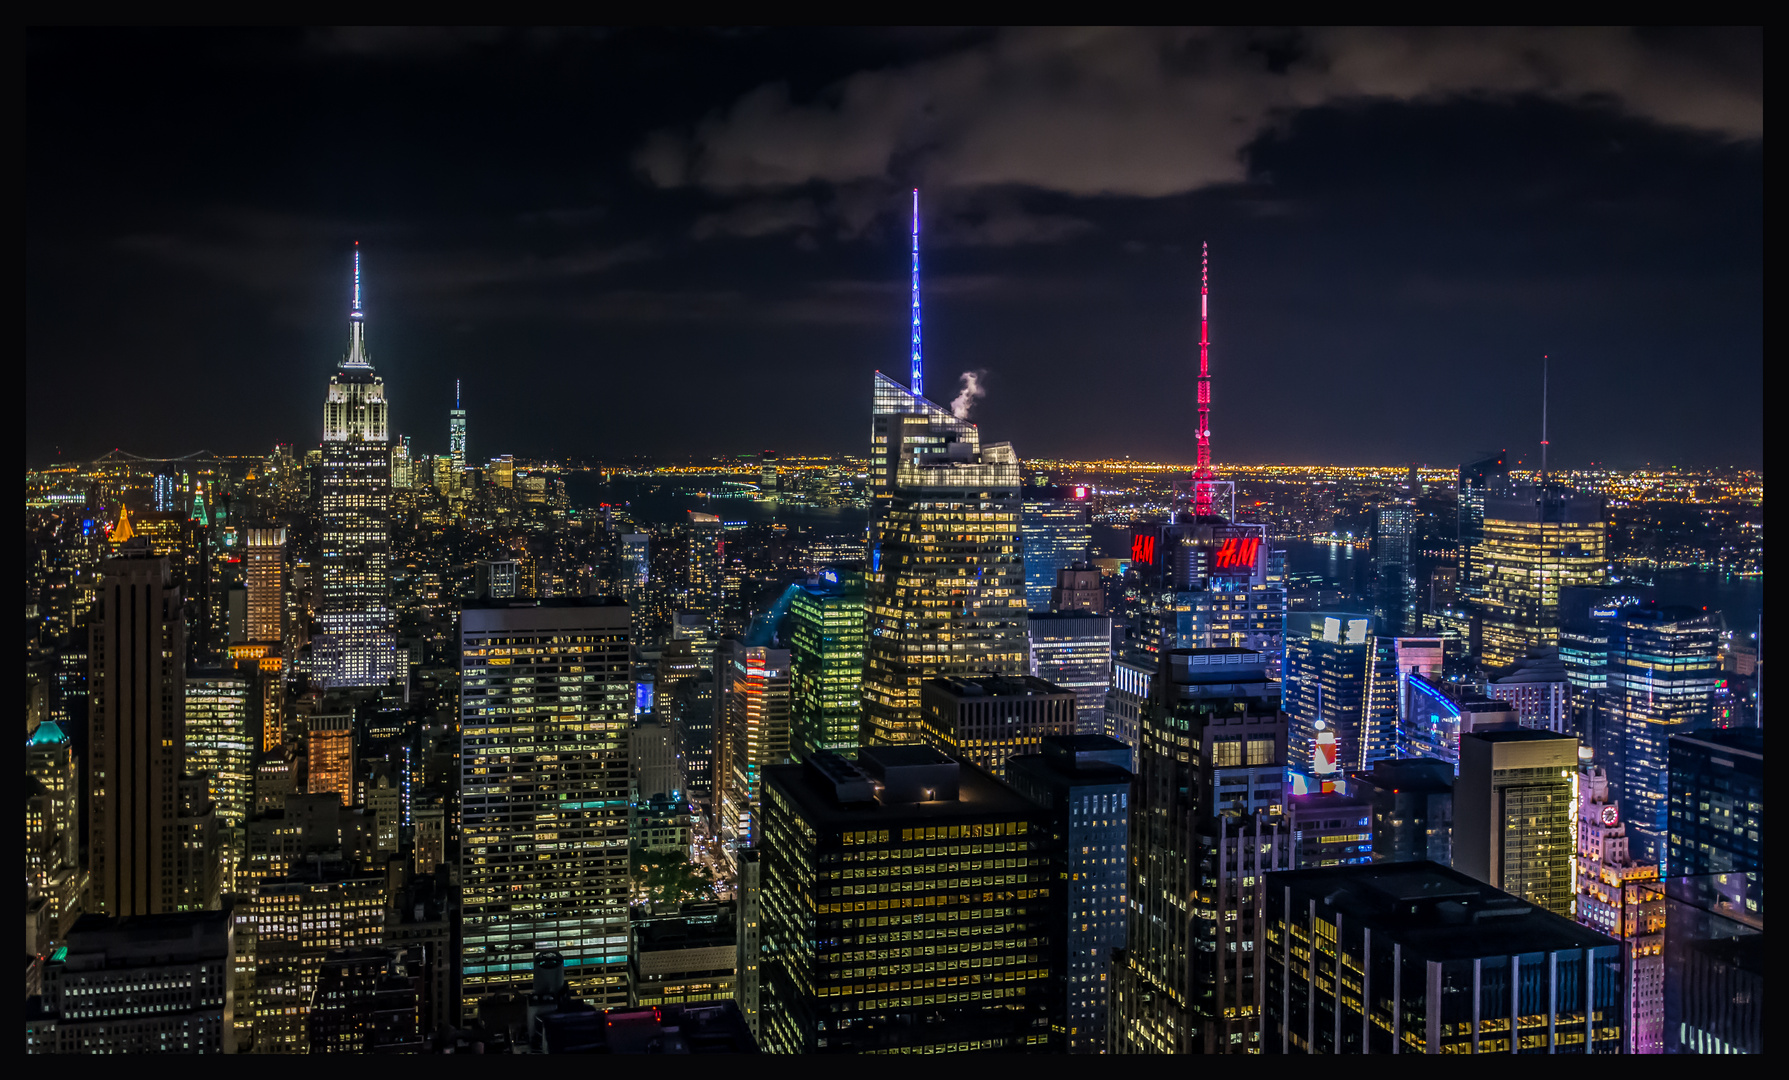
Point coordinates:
[[971, 393]]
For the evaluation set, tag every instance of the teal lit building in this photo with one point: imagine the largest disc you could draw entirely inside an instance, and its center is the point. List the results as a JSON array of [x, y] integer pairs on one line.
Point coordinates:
[[826, 660]]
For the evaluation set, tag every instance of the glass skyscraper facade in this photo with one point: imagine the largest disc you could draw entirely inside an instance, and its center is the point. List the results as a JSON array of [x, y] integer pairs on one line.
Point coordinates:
[[1056, 531], [1210, 584], [1716, 810], [826, 661], [1325, 684], [1073, 650], [546, 703], [1532, 549], [1394, 569], [221, 740]]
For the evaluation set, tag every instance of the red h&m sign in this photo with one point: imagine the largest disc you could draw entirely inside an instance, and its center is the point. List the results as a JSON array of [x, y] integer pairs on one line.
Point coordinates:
[[1237, 554], [1143, 550]]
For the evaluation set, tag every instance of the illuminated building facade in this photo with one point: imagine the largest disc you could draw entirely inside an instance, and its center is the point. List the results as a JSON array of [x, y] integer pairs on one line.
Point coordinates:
[[702, 588], [826, 661], [1073, 650], [1412, 802], [985, 721], [298, 922], [1329, 829], [355, 610], [1477, 480], [329, 752], [1533, 548], [1056, 531], [1415, 958], [546, 702], [905, 885], [1326, 678], [456, 434], [221, 740], [1716, 810], [1207, 824], [1623, 899], [264, 552], [754, 731], [53, 872], [1084, 783], [946, 580], [1436, 716], [369, 1001], [686, 958], [1205, 585], [137, 732], [1664, 664], [1394, 571], [1516, 814]]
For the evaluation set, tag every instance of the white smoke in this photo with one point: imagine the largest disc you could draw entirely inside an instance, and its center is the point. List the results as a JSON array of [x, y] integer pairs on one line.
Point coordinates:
[[972, 391]]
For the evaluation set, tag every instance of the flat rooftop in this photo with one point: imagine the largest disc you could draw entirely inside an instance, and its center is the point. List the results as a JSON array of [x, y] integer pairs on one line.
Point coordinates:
[[979, 796]]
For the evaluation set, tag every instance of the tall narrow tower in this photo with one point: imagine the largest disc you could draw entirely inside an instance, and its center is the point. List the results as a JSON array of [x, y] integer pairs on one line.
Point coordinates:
[[1202, 476], [919, 373]]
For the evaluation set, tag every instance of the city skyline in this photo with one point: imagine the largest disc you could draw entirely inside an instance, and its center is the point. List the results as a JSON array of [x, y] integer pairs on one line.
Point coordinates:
[[1411, 250]]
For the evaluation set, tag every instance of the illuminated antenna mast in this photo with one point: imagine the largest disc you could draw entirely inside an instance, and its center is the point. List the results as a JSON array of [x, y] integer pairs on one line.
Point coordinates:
[[357, 354], [1543, 483], [356, 313], [456, 393], [1203, 476], [918, 381]]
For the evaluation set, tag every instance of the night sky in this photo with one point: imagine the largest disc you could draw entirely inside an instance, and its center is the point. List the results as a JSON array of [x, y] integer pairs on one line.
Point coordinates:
[[666, 244]]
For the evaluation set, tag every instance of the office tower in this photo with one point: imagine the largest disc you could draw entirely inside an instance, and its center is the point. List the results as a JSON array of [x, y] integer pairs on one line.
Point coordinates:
[[1206, 824], [1412, 801], [1477, 480], [1055, 531], [299, 922], [1515, 812], [456, 433], [264, 550], [1329, 829], [684, 699], [1128, 697], [1714, 964], [652, 759], [1716, 808], [403, 475], [826, 660], [767, 476], [1205, 584], [748, 953], [633, 558], [1533, 548], [1586, 616], [497, 579], [264, 667], [988, 720], [355, 610], [1078, 588], [903, 886], [1436, 715], [1394, 577], [502, 471], [141, 984], [946, 582], [221, 739], [329, 753], [1327, 675], [447, 479], [1664, 663], [1444, 964], [1073, 650], [1623, 899], [545, 707], [1539, 689], [53, 871], [702, 589], [753, 716], [683, 959], [1084, 782], [137, 733], [369, 1001]]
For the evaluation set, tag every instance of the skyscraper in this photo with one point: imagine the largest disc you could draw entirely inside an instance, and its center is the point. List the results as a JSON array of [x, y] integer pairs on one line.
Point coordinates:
[[1056, 531], [546, 704], [1412, 801], [1716, 812], [264, 550], [53, 869], [946, 583], [1515, 814], [1205, 584], [1326, 677], [985, 721], [137, 728], [355, 610], [1394, 571], [1206, 825], [1073, 650], [826, 661], [1477, 480], [456, 433], [1534, 547], [754, 715], [221, 739], [329, 750], [1623, 899]]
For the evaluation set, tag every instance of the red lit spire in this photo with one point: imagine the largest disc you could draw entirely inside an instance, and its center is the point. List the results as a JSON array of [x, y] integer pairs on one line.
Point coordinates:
[[1202, 476]]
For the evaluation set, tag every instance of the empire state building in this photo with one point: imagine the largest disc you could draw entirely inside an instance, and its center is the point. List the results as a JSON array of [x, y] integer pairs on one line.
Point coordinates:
[[358, 646]]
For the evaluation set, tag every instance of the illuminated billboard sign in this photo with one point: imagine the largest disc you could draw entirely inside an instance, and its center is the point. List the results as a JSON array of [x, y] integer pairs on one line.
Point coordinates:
[[1236, 553], [1143, 549]]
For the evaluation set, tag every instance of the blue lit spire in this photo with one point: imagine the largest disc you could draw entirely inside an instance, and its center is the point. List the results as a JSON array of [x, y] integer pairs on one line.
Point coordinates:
[[919, 371], [357, 354]]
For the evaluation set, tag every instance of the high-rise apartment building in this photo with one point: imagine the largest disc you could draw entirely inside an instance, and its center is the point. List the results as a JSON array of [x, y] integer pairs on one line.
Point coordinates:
[[1326, 679], [1716, 807], [1532, 548], [1664, 663], [1056, 531], [547, 696], [946, 583], [1073, 650], [985, 721], [1207, 824], [1412, 801], [753, 732], [906, 908], [354, 610], [1084, 783], [1415, 958], [1515, 814], [826, 661], [1623, 899], [137, 735]]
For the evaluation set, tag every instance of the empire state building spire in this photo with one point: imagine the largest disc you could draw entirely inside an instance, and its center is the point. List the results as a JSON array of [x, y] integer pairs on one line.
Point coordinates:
[[357, 353]]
